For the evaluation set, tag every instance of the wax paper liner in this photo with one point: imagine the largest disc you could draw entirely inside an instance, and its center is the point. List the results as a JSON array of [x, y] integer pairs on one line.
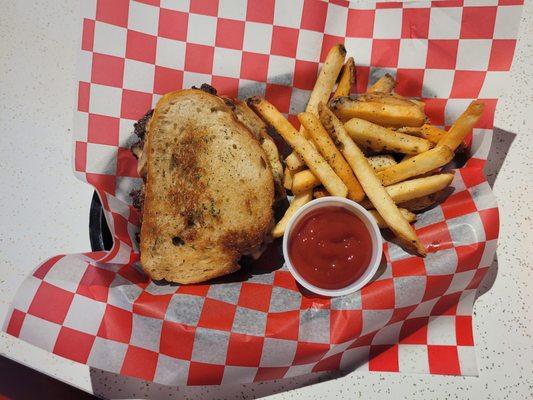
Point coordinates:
[[99, 309]]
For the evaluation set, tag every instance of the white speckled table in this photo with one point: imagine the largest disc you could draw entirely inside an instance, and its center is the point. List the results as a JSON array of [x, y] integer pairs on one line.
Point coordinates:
[[44, 211]]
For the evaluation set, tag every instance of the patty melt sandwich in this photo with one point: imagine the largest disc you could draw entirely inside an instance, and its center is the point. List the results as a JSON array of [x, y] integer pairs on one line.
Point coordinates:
[[211, 175]]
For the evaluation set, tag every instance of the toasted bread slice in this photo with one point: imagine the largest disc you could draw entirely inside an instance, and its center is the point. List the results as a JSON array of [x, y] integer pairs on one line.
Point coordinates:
[[209, 190]]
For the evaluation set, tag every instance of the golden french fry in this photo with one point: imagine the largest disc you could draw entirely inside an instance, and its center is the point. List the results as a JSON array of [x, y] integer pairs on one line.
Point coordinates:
[[385, 84], [385, 111], [370, 182], [326, 78], [378, 138], [417, 165], [408, 215], [426, 131], [392, 99], [381, 162], [298, 202], [421, 203], [261, 131], [462, 125], [331, 154], [421, 104], [346, 80], [407, 157], [293, 162], [319, 192], [305, 150], [303, 181], [403, 192], [418, 187], [323, 86], [288, 179], [271, 150]]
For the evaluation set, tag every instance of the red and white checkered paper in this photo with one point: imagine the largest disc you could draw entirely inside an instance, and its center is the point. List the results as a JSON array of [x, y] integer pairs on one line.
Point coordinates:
[[99, 309]]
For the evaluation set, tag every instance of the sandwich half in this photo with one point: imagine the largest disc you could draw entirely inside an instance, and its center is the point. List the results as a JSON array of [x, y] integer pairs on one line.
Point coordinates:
[[209, 189]]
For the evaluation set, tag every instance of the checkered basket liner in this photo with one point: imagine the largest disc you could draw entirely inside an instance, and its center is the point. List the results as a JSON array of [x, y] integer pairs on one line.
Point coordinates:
[[100, 309]]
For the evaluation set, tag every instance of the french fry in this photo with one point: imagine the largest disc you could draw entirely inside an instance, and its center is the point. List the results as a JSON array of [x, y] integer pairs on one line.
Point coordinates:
[[305, 150], [326, 78], [426, 131], [385, 84], [332, 155], [319, 192], [288, 179], [383, 111], [422, 202], [462, 125], [392, 99], [404, 192], [417, 165], [346, 80], [407, 157], [378, 138], [408, 215], [381, 162], [296, 203], [304, 181], [420, 104], [370, 182], [294, 163], [418, 187], [323, 86]]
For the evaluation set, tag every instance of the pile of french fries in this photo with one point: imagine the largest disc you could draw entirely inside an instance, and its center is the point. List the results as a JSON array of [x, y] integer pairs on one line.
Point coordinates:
[[378, 149]]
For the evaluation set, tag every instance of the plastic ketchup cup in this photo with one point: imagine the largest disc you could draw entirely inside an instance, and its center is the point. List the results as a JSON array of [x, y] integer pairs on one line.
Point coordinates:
[[332, 246]]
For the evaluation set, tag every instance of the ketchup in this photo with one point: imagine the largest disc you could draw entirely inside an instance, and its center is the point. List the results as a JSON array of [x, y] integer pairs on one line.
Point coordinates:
[[330, 247]]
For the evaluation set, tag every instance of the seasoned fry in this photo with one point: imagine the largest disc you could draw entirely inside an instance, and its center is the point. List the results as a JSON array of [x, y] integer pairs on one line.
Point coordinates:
[[378, 138], [407, 157], [381, 162], [426, 131], [385, 84], [288, 179], [413, 189], [326, 78], [420, 104], [296, 203], [271, 150], [385, 111], [311, 156], [392, 99], [319, 192], [346, 80], [419, 187], [416, 165], [332, 155], [462, 125], [370, 182], [303, 181], [323, 86], [408, 215], [422, 202], [261, 131], [294, 163]]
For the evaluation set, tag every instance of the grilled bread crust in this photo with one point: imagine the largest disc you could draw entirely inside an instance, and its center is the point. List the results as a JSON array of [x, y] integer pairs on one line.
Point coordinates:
[[209, 190]]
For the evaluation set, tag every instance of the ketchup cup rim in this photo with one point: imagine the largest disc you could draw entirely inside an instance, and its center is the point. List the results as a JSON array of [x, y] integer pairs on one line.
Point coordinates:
[[373, 230]]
